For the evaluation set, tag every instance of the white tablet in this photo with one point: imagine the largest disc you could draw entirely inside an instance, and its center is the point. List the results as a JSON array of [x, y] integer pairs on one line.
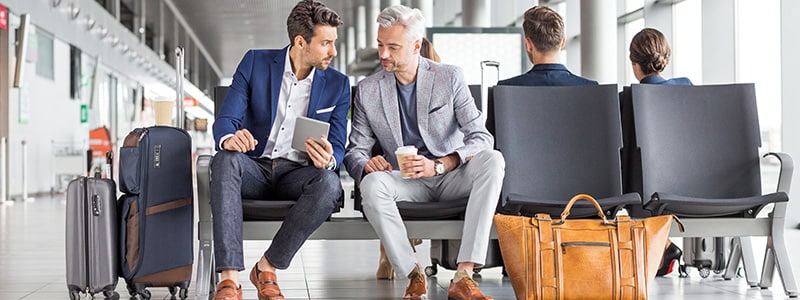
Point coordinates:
[[304, 128]]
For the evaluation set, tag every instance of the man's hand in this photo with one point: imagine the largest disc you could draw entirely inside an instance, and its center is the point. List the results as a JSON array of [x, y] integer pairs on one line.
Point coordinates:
[[377, 163], [241, 141], [320, 152], [418, 166]]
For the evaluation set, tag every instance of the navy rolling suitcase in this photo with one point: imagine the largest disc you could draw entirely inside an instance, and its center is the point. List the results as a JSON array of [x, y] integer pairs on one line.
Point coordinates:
[[156, 211], [91, 237]]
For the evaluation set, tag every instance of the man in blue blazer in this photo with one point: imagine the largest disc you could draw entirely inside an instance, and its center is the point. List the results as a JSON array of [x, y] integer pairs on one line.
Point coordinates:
[[544, 38], [254, 130]]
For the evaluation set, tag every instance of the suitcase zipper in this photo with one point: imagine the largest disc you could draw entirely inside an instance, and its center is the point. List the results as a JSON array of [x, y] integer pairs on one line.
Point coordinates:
[[86, 231], [582, 244]]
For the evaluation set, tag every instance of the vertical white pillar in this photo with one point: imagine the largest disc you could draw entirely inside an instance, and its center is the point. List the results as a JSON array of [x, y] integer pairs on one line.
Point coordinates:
[[426, 6], [790, 94], [3, 172], [476, 13], [361, 27], [373, 10], [351, 44], [599, 40], [24, 170], [719, 41]]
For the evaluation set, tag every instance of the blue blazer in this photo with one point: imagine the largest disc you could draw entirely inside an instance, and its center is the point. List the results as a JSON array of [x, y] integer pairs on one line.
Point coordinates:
[[252, 100], [657, 79], [548, 75]]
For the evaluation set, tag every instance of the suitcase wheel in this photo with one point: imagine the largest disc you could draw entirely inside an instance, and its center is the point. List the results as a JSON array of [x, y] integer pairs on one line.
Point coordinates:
[[704, 272], [144, 294], [431, 270], [112, 295], [74, 295], [172, 291]]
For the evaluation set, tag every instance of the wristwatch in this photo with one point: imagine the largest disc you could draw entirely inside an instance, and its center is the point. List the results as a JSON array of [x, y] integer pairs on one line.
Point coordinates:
[[438, 166]]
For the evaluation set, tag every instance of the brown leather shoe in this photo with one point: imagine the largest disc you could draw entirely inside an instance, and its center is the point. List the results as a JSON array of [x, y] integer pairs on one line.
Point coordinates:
[[385, 270], [227, 290], [266, 284], [465, 289], [417, 288]]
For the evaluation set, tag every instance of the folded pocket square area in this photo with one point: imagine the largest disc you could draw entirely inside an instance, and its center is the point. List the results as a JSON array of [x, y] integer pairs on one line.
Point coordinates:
[[326, 110]]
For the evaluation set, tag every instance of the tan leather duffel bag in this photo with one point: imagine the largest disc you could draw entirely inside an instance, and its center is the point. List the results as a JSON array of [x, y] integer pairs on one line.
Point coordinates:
[[582, 258]]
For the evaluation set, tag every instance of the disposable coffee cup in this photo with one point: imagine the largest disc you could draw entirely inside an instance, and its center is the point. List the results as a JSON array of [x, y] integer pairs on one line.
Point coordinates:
[[163, 110], [401, 154]]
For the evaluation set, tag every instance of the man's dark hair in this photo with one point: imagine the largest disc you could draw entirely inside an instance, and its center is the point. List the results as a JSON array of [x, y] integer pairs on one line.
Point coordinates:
[[544, 27], [307, 14]]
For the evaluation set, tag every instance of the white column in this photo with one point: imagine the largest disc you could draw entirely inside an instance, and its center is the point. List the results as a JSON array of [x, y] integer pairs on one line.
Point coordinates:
[[426, 6], [373, 10], [361, 27], [719, 41], [790, 94], [599, 40], [476, 13], [351, 44]]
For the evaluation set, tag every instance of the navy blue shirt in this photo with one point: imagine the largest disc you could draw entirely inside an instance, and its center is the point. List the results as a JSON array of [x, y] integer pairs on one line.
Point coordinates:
[[407, 100], [657, 79], [548, 75]]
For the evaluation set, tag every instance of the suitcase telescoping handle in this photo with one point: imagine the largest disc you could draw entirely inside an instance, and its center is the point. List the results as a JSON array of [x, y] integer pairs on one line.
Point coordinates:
[[485, 89], [179, 69]]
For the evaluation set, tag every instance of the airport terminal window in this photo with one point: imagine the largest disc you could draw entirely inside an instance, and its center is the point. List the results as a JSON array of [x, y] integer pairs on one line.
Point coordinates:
[[761, 64], [687, 50], [44, 54], [631, 28], [127, 15]]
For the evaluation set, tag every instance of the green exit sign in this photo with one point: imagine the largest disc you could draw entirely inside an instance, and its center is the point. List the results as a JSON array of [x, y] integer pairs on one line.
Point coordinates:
[[84, 113]]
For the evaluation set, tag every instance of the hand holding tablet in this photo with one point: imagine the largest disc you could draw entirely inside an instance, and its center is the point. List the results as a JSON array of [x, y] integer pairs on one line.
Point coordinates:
[[305, 128]]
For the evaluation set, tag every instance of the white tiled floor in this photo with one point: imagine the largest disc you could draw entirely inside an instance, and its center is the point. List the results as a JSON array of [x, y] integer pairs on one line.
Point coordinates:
[[32, 266]]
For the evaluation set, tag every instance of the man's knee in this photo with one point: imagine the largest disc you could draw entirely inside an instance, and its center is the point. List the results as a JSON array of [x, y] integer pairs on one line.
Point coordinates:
[[374, 186], [490, 161], [329, 185], [227, 161]]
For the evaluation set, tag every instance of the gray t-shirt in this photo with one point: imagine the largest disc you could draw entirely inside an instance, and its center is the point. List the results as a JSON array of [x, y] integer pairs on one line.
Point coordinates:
[[407, 100]]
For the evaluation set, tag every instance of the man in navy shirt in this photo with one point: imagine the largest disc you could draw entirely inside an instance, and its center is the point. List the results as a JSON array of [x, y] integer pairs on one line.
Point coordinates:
[[544, 38]]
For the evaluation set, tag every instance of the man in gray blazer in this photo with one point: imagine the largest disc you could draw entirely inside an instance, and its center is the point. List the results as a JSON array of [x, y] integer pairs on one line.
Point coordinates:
[[415, 101]]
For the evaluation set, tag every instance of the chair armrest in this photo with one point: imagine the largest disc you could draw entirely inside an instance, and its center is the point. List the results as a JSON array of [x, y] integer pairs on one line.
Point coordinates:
[[203, 187], [787, 168]]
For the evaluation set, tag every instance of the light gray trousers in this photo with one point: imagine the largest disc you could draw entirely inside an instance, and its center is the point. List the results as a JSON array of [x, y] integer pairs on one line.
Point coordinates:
[[481, 179]]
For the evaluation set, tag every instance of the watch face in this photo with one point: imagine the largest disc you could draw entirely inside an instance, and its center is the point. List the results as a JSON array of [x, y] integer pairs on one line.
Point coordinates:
[[439, 167]]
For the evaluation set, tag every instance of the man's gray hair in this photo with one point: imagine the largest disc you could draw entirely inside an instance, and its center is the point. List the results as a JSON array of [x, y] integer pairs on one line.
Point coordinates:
[[412, 19]]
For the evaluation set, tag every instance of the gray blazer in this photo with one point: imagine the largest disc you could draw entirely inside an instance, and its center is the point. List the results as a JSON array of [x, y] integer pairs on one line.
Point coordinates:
[[447, 116]]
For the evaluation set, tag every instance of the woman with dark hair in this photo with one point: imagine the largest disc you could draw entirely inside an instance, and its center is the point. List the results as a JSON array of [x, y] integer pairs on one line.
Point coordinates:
[[650, 55]]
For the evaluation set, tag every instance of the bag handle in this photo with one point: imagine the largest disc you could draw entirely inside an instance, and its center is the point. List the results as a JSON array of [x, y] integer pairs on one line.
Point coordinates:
[[586, 197]]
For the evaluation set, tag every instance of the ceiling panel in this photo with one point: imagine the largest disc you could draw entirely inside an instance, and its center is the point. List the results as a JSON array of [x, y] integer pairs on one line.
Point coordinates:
[[228, 28]]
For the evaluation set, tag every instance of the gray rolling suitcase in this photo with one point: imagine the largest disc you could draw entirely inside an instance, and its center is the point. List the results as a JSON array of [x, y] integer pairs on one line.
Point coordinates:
[[707, 254], [91, 237]]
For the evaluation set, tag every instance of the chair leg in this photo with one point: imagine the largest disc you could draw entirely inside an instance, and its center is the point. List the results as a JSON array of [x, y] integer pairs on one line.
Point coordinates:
[[748, 261], [776, 256], [205, 282], [733, 261]]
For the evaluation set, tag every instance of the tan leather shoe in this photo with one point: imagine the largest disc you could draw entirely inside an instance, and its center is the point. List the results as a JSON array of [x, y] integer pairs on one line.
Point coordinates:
[[417, 286], [266, 284], [385, 270], [227, 290], [465, 289]]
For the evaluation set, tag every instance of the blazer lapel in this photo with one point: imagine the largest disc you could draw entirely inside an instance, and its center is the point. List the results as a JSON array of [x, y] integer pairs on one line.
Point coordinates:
[[275, 80], [317, 87], [390, 107], [424, 92]]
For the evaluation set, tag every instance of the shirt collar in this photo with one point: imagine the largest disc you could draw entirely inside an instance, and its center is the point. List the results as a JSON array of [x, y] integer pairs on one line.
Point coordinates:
[[549, 67], [653, 79], [287, 67]]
